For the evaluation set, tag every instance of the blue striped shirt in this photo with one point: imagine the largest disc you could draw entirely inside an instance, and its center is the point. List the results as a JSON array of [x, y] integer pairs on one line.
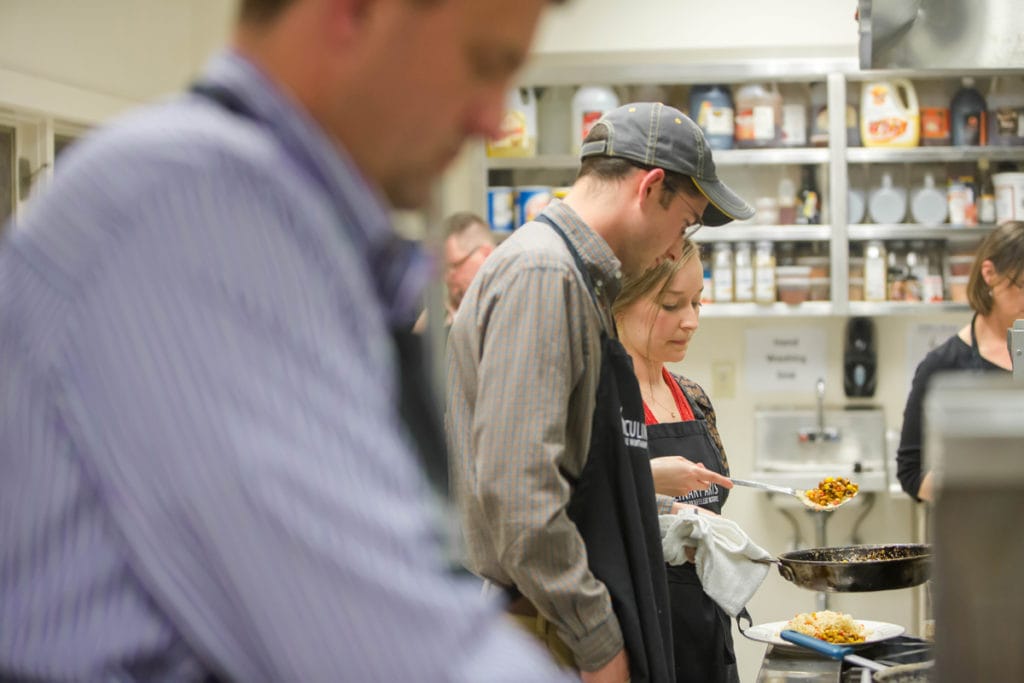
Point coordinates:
[[201, 464]]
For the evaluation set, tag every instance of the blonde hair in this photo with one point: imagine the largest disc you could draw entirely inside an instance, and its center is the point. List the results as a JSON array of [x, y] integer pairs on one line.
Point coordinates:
[[636, 287]]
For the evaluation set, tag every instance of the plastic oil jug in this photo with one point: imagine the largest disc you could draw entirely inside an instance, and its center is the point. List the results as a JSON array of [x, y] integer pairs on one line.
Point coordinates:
[[518, 136], [758, 116], [589, 104], [711, 108], [889, 115], [967, 114]]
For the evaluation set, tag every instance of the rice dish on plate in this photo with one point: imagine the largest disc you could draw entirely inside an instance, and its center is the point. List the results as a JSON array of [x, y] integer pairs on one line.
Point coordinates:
[[834, 627]]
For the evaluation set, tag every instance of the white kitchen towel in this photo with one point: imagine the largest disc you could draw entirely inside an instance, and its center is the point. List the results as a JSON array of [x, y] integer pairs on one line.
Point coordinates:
[[724, 556]]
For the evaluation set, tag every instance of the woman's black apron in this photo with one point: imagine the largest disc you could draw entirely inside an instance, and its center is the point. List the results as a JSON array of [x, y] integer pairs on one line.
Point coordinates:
[[614, 509], [702, 648]]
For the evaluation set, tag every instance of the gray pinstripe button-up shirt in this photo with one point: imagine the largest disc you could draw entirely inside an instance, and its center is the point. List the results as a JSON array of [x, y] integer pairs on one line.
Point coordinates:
[[201, 465]]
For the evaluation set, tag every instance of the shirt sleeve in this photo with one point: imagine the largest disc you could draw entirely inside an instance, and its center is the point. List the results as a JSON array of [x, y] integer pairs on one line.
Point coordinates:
[[531, 362], [908, 455], [664, 503], [234, 407]]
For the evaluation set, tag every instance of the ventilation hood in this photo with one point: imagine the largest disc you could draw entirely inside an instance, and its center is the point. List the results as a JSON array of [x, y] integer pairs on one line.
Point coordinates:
[[941, 34]]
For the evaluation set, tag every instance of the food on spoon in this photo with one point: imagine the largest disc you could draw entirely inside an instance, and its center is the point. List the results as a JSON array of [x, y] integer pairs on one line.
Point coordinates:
[[832, 491], [834, 627]]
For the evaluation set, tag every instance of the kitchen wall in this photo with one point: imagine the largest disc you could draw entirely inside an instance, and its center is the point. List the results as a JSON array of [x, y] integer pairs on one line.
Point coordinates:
[[737, 28], [83, 62]]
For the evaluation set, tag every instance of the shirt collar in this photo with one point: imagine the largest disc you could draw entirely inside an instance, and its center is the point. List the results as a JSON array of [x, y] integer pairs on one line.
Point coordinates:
[[598, 258], [401, 269], [306, 142]]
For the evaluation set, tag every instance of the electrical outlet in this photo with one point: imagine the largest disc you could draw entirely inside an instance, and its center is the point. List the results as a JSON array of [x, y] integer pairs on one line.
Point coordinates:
[[723, 379]]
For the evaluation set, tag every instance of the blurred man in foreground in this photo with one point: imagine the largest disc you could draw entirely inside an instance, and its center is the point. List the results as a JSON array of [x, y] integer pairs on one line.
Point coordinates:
[[206, 473]]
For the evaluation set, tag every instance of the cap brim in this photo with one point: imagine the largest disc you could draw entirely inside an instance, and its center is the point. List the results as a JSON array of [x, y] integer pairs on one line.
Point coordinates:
[[724, 205]]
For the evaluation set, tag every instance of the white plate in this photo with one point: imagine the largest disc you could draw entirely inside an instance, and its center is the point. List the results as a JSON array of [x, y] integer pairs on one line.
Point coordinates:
[[874, 631]]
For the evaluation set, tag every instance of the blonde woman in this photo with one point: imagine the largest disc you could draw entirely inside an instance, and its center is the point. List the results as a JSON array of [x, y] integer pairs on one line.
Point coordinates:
[[657, 313]]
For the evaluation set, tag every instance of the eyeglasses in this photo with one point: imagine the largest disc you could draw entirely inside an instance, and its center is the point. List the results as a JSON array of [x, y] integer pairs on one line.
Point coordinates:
[[455, 265], [690, 230]]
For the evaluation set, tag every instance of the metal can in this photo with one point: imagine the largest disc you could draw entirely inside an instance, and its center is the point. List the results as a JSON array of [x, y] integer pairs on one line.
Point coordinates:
[[500, 209], [530, 201]]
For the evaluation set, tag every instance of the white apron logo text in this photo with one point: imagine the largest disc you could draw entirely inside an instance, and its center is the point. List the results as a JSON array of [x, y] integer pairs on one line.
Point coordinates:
[[635, 432]]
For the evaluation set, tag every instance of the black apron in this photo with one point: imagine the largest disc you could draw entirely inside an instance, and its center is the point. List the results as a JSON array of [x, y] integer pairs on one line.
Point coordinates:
[[614, 509], [417, 407], [702, 631]]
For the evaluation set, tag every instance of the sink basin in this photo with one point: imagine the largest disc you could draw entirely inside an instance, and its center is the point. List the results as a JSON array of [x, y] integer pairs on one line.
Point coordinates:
[[798, 448]]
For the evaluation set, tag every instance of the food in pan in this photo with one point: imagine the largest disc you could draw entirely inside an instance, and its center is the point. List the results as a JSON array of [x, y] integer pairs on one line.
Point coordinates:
[[832, 491], [834, 627]]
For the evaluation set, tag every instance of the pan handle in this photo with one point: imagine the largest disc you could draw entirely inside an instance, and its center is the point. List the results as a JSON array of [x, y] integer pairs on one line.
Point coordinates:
[[784, 569], [822, 647]]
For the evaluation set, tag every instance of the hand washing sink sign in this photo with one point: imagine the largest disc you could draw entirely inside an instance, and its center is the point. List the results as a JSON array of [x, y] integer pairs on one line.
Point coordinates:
[[784, 359]]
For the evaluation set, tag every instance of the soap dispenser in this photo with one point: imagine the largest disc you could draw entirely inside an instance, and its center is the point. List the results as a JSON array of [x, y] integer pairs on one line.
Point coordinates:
[[860, 362]]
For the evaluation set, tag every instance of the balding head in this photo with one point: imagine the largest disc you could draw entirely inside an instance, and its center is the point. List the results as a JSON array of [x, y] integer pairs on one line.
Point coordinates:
[[468, 242]]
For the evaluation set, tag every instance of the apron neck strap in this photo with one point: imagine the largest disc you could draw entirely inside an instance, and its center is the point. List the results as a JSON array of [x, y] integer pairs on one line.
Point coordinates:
[[580, 266]]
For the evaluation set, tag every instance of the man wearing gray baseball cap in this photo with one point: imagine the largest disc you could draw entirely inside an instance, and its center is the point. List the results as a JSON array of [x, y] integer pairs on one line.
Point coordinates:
[[654, 135], [545, 419]]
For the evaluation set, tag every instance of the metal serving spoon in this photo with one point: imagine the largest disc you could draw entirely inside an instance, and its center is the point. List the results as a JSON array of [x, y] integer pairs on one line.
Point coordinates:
[[800, 494]]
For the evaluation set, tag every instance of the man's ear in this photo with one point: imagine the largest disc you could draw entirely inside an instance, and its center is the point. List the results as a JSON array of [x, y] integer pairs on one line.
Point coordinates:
[[486, 249], [650, 184]]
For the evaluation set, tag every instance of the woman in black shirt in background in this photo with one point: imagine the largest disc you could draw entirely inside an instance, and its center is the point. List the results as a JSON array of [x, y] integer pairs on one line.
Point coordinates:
[[995, 291]]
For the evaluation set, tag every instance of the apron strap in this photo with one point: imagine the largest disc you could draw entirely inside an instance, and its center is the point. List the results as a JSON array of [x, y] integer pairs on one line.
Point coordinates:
[[744, 614], [578, 260], [976, 358]]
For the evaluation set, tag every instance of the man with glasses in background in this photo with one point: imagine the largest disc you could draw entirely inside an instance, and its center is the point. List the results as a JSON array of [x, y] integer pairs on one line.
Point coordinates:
[[545, 420], [468, 241]]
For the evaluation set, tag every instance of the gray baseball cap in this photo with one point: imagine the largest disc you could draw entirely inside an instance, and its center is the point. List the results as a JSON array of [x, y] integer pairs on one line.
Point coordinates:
[[658, 136]]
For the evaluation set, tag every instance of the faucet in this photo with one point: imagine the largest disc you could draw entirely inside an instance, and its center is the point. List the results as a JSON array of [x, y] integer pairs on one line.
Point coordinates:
[[822, 433]]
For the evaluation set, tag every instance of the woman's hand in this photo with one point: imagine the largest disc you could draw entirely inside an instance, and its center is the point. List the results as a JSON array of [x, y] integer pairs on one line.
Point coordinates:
[[674, 475]]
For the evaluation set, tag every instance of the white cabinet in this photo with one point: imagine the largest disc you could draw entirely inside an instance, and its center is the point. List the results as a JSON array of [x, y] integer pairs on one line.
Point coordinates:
[[755, 173]]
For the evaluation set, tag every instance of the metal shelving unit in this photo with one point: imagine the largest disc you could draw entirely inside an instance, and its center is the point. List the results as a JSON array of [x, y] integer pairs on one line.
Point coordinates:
[[771, 157], [724, 157], [838, 75], [881, 308], [548, 162], [919, 155], [815, 309], [747, 232], [913, 231]]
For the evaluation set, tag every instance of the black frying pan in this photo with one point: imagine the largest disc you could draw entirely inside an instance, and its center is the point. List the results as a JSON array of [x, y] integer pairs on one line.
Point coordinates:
[[857, 568]]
